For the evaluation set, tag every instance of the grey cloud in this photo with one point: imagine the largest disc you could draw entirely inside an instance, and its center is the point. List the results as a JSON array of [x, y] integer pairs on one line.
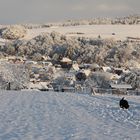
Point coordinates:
[[38, 11]]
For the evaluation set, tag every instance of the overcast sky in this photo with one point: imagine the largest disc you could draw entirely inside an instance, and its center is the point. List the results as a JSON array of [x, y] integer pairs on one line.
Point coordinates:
[[39, 11]]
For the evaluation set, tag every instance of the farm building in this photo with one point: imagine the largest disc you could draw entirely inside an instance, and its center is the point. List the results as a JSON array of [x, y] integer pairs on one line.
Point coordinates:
[[66, 63]]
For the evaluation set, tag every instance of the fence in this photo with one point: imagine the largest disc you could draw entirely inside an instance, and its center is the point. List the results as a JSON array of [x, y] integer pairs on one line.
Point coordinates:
[[116, 91]]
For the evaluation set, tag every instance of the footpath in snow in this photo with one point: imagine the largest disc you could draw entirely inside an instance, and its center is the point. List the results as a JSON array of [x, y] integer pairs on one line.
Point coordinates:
[[67, 116]]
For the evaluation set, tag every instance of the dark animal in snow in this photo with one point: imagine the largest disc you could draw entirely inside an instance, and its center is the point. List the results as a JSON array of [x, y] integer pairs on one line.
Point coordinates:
[[124, 103]]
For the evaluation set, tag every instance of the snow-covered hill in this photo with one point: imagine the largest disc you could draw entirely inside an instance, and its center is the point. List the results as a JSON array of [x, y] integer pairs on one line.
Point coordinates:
[[66, 116], [93, 31]]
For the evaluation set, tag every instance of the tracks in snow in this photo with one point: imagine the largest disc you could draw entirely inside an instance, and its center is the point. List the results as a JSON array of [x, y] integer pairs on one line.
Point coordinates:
[[49, 115]]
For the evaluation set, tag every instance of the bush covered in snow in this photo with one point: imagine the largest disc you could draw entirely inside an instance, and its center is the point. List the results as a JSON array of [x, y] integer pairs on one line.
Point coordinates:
[[80, 49], [13, 32], [132, 78], [16, 75]]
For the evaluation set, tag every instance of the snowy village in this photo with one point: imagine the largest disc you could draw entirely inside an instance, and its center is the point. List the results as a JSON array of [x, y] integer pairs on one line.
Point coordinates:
[[58, 62], [71, 80]]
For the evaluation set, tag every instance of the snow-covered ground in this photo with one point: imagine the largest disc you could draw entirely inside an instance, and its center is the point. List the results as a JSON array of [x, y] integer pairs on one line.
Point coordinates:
[[67, 116], [105, 31]]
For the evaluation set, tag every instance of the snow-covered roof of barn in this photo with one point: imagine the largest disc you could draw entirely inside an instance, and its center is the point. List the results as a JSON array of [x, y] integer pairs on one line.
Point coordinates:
[[65, 59]]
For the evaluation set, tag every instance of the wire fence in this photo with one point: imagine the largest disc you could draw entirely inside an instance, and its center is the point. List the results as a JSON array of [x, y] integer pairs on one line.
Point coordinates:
[[97, 90], [87, 90]]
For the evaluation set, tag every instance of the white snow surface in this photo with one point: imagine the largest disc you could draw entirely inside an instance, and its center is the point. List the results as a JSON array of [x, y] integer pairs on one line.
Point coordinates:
[[93, 31], [33, 115]]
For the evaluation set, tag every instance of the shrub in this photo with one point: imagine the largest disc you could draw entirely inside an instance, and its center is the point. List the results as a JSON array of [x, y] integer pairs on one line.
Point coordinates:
[[37, 57], [13, 32], [10, 50]]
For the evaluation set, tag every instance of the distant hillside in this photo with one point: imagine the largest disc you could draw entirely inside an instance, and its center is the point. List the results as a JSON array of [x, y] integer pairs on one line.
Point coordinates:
[[128, 20]]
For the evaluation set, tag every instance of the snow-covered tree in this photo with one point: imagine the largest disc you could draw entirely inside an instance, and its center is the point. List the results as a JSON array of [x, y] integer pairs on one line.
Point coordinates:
[[16, 75]]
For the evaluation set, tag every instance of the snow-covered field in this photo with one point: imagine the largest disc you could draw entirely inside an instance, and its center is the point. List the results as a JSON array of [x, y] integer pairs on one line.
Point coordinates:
[[105, 31], [67, 116]]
